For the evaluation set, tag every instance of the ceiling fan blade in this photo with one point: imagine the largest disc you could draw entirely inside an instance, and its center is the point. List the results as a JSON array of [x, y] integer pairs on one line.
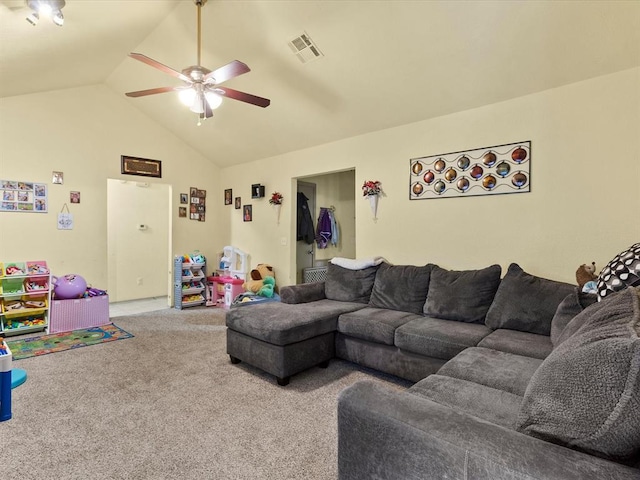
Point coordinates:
[[243, 97], [151, 62], [227, 72], [151, 91]]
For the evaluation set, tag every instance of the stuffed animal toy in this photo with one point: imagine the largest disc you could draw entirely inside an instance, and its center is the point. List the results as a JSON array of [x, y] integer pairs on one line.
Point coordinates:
[[267, 288], [258, 275], [586, 273]]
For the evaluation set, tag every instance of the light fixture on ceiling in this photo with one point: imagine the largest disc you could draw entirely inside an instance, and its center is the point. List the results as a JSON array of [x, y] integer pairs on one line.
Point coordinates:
[[46, 8]]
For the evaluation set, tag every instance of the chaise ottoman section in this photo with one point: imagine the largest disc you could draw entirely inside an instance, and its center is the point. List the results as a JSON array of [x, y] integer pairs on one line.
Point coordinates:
[[284, 339]]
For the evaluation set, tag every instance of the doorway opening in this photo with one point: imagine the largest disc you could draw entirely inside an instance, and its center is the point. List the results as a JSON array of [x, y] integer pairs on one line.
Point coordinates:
[[334, 191], [138, 240]]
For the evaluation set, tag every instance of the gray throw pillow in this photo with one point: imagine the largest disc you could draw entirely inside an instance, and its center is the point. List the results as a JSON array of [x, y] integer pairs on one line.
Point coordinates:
[[525, 302], [586, 393], [464, 296], [349, 285], [571, 306], [400, 287]]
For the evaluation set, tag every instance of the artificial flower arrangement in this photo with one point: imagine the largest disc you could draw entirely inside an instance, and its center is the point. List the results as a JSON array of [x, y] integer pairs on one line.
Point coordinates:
[[276, 198], [371, 187]]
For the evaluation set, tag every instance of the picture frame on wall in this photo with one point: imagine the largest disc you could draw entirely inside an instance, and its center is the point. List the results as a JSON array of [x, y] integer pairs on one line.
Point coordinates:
[[184, 198], [247, 213], [182, 212], [238, 203], [228, 196], [140, 166]]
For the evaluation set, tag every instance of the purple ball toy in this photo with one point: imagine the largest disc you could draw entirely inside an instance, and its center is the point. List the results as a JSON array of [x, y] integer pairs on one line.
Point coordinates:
[[69, 286]]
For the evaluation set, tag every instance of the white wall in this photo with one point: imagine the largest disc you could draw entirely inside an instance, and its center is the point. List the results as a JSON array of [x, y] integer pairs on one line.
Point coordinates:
[[583, 205], [83, 132]]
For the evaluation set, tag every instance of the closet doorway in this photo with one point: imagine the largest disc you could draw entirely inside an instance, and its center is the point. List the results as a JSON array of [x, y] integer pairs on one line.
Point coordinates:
[[332, 190], [139, 240]]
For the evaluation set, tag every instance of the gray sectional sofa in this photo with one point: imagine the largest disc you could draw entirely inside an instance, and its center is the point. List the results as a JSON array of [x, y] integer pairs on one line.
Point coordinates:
[[516, 377]]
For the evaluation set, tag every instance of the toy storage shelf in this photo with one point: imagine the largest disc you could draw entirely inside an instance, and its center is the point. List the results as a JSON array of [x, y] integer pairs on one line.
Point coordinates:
[[189, 283], [25, 296]]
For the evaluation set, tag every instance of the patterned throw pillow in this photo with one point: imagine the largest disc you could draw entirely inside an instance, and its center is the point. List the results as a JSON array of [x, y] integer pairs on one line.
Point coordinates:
[[621, 272]]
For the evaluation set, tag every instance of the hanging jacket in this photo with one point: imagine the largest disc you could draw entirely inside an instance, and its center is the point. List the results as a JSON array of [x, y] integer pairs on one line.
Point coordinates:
[[323, 232], [334, 229], [304, 225]]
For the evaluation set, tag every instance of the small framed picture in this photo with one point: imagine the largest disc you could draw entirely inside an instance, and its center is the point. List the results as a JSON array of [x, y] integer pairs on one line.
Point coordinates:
[[238, 203], [193, 191], [182, 212], [228, 195], [247, 214], [58, 178], [184, 198], [74, 197]]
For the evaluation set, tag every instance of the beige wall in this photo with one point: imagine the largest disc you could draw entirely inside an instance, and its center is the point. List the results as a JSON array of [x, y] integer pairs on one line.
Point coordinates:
[[82, 132], [584, 198], [582, 207]]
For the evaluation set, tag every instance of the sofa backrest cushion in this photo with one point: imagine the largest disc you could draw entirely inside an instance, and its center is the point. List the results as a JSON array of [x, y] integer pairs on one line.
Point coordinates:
[[525, 302], [349, 285], [622, 271], [401, 287], [464, 296], [586, 393], [571, 306]]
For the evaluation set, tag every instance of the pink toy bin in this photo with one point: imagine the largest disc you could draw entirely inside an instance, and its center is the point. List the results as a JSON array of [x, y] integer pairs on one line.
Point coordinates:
[[224, 290]]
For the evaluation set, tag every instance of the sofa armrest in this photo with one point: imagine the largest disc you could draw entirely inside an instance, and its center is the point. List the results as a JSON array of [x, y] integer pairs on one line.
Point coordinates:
[[302, 293], [385, 434]]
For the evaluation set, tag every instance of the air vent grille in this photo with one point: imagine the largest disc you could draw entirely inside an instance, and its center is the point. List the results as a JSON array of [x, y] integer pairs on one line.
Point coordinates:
[[304, 48]]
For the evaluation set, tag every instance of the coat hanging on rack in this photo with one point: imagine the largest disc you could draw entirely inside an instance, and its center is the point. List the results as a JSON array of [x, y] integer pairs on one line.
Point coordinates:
[[304, 230]]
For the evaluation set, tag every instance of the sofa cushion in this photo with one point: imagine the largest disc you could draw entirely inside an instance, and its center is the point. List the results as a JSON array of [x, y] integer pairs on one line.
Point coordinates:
[[302, 293], [401, 287], [373, 324], [571, 306], [525, 302], [347, 285], [622, 271], [283, 324], [586, 394], [521, 343], [438, 338], [464, 296], [500, 370], [490, 404]]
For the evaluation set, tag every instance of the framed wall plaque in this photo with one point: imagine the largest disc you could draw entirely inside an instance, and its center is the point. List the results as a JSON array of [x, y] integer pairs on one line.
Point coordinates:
[[141, 166]]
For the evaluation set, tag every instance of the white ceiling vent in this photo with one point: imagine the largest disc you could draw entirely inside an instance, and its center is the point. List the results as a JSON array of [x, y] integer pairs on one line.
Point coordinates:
[[304, 48]]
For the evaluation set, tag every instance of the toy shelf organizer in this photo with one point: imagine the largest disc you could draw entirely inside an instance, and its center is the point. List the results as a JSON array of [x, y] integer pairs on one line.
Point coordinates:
[[25, 296], [189, 281]]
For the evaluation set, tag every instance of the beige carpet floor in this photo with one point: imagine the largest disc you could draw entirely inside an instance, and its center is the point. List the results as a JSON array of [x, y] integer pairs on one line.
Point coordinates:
[[168, 404]]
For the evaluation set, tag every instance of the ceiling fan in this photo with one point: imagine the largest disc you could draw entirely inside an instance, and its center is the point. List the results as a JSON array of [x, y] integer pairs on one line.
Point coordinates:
[[202, 92]]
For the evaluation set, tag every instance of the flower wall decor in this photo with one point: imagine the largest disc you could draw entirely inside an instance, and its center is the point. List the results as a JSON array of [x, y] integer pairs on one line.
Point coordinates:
[[276, 198], [372, 189], [276, 201]]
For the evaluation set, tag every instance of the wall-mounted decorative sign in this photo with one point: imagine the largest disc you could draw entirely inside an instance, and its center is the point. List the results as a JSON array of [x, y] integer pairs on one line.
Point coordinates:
[[257, 190], [483, 171], [23, 196], [140, 166], [197, 207]]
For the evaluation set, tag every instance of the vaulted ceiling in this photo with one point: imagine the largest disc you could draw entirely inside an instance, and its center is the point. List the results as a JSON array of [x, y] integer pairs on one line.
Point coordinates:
[[386, 63]]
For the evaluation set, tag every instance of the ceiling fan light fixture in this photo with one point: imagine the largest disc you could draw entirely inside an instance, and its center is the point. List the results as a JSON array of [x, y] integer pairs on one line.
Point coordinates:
[[33, 18], [198, 103], [213, 99], [58, 18], [187, 96], [46, 8]]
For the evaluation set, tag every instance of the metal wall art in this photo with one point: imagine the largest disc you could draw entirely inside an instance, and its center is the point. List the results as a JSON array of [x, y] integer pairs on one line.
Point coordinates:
[[483, 171]]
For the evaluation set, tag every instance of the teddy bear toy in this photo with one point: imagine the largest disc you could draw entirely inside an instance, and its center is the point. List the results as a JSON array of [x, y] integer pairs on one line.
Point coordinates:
[[585, 274], [258, 275]]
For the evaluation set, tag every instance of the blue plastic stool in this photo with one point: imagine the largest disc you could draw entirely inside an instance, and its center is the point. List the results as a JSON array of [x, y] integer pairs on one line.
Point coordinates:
[[18, 377]]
